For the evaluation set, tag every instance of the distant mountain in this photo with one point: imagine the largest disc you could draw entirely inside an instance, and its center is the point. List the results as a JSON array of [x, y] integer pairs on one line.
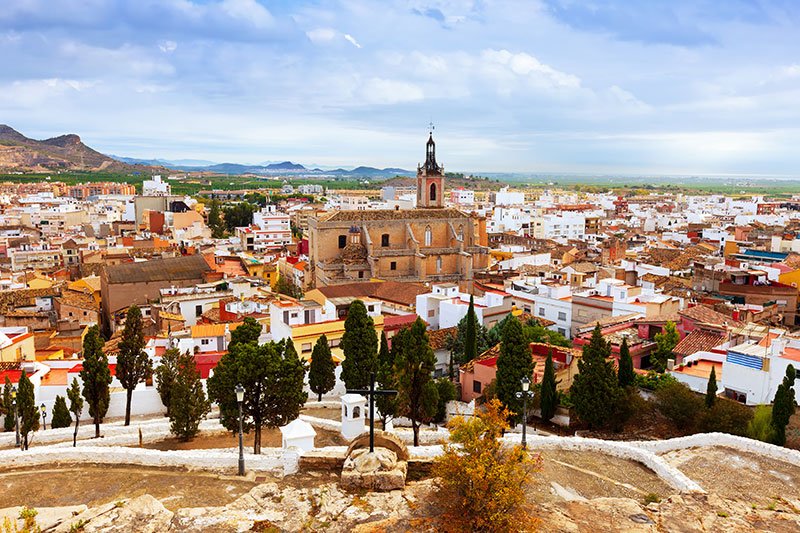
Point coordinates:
[[65, 152], [169, 163]]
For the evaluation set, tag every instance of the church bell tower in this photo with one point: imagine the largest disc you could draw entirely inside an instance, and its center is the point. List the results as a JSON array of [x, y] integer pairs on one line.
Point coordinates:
[[430, 179]]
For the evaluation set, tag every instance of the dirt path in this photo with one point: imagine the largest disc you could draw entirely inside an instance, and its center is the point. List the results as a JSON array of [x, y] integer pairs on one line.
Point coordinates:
[[735, 474], [270, 438]]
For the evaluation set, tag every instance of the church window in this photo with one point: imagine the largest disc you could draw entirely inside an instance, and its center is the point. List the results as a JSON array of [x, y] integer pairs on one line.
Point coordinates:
[[342, 241], [433, 192], [393, 265], [438, 264], [428, 236], [385, 239], [360, 274], [461, 233]]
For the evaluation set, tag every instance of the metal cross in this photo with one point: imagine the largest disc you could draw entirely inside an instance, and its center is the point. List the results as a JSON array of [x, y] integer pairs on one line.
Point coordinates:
[[371, 393]]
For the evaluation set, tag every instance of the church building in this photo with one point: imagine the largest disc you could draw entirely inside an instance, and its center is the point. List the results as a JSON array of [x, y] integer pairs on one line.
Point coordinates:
[[429, 243]]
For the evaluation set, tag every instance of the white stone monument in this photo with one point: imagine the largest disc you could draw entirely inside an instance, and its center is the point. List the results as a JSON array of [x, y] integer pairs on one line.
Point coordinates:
[[354, 412], [298, 434]]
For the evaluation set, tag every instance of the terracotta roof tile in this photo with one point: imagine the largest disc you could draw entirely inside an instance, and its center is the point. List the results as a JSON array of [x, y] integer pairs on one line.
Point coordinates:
[[699, 341]]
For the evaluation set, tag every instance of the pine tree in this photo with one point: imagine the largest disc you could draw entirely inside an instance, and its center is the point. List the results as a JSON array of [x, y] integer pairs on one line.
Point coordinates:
[[75, 407], [417, 395], [513, 364], [96, 377], [322, 371], [625, 375], [447, 392], [711, 389], [26, 406], [456, 343], [248, 331], [188, 402], [783, 407], [8, 407], [133, 363], [665, 343], [360, 347], [272, 377], [61, 416], [595, 391], [386, 404], [166, 373], [549, 399]]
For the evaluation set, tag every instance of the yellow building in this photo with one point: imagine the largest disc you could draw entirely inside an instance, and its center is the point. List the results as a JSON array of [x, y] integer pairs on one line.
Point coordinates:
[[16, 345]]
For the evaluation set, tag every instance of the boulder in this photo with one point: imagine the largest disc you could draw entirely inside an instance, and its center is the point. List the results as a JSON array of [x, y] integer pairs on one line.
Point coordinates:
[[379, 470]]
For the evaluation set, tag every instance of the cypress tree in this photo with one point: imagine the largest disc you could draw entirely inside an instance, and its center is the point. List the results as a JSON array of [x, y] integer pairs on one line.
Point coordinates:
[[322, 371], [133, 363], [75, 407], [248, 331], [625, 374], [8, 409], [514, 363], [166, 373], [386, 404], [360, 347], [783, 407], [711, 389], [549, 400], [414, 364], [96, 377], [28, 412], [188, 402], [61, 416], [470, 340], [665, 343], [595, 391]]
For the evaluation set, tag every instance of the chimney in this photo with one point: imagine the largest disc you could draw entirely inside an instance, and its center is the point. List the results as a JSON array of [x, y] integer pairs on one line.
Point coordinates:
[[670, 364]]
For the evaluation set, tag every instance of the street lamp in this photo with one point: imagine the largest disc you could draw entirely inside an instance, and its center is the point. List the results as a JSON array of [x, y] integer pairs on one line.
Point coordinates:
[[16, 414], [44, 416], [525, 382], [239, 400]]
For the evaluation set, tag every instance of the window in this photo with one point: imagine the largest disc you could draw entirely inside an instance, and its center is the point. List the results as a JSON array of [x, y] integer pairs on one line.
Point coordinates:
[[342, 241], [431, 313], [428, 236], [393, 265], [360, 274], [433, 192], [562, 331], [204, 342], [371, 308], [526, 308], [385, 239], [476, 387], [438, 264], [198, 310], [562, 315], [306, 347], [334, 343], [541, 311]]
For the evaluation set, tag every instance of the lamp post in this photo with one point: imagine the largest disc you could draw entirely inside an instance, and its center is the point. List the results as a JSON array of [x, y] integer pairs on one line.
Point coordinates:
[[44, 416], [239, 400], [16, 414], [525, 382]]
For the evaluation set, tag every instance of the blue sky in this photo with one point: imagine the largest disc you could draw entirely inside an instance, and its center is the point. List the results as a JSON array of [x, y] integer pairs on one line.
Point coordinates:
[[596, 86]]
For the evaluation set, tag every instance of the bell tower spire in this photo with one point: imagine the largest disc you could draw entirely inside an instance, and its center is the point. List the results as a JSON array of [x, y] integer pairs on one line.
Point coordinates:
[[430, 177]]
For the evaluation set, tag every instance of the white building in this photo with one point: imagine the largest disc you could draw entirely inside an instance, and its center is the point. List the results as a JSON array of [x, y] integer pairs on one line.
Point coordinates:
[[506, 197], [445, 306], [156, 187], [550, 300], [564, 226], [462, 197], [270, 230]]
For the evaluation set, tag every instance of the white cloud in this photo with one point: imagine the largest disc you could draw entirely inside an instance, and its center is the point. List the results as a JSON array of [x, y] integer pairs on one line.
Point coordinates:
[[168, 46], [352, 40], [321, 35], [526, 65], [386, 91], [248, 10]]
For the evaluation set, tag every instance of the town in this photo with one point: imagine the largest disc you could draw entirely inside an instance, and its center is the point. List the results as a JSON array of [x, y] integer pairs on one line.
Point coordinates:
[[627, 315]]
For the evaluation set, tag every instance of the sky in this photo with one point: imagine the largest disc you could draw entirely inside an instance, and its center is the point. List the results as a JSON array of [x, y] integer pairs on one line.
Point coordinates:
[[594, 86]]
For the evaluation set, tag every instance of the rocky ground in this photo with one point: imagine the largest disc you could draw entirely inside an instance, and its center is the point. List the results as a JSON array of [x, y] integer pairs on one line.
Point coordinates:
[[575, 492]]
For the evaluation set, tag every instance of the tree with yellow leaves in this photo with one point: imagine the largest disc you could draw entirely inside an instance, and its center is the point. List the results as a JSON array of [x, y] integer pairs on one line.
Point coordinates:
[[481, 480]]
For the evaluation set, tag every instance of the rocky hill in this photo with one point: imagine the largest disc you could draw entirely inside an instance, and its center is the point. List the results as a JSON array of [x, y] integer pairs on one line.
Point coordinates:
[[19, 153]]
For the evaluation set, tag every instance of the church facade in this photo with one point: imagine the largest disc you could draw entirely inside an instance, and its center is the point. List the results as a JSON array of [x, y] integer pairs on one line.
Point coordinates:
[[429, 243]]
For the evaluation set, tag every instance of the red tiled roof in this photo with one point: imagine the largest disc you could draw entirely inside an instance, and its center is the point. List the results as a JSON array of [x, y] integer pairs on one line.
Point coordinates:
[[698, 341], [706, 315], [12, 375], [438, 338], [77, 368], [392, 322]]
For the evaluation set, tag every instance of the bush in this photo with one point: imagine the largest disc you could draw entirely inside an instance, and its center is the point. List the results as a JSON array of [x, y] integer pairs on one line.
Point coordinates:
[[447, 392], [489, 393], [61, 416], [481, 483], [677, 402], [760, 427], [726, 416], [653, 380], [632, 405]]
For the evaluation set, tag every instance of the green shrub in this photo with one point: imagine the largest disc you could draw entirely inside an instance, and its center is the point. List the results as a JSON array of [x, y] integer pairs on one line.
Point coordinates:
[[653, 380], [726, 416], [677, 402], [760, 427]]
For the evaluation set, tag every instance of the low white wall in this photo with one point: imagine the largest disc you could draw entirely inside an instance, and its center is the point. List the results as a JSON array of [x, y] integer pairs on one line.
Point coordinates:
[[271, 460], [721, 439]]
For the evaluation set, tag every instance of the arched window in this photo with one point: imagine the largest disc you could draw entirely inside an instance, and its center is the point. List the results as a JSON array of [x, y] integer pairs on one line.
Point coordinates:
[[428, 236], [356, 412], [433, 192], [461, 232], [438, 265]]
